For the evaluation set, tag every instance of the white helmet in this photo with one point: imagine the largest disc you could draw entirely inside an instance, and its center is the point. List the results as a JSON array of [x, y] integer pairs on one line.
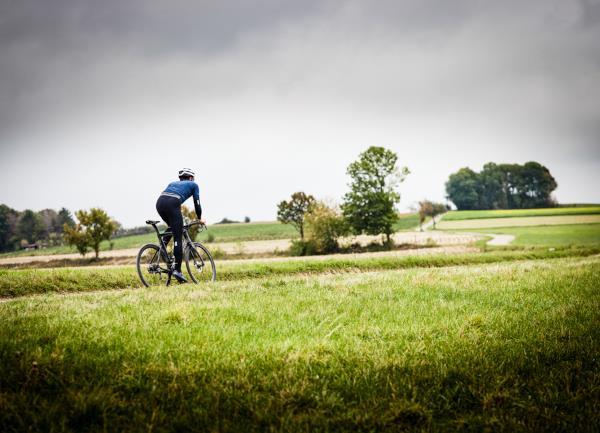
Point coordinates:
[[186, 172]]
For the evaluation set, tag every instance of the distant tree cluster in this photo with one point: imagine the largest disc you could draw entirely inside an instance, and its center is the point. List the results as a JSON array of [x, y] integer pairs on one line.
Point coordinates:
[[19, 229], [369, 207], [502, 186]]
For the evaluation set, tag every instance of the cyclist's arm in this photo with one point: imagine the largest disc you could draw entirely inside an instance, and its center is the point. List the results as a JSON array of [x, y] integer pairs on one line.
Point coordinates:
[[197, 206]]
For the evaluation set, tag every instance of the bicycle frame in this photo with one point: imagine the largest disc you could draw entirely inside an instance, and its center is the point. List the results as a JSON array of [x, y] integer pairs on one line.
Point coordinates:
[[187, 242], [195, 255]]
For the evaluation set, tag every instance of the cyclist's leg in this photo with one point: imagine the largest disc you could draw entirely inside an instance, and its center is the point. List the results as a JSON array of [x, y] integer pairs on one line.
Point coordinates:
[[177, 228], [165, 207]]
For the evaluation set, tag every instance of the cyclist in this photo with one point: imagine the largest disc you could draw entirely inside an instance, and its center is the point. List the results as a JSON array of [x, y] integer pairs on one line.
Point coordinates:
[[168, 206]]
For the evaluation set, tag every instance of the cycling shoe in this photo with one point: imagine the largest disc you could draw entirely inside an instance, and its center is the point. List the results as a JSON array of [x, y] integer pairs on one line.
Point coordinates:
[[179, 277]]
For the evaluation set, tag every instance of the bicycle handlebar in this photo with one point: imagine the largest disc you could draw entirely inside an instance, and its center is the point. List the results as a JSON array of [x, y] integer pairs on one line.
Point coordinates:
[[195, 222]]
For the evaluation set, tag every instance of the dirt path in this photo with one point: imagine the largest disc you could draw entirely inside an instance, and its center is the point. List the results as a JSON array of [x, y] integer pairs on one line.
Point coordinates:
[[430, 238], [500, 239], [456, 249]]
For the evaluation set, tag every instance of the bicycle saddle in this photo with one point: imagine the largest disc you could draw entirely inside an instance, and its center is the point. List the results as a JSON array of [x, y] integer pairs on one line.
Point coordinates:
[[152, 222]]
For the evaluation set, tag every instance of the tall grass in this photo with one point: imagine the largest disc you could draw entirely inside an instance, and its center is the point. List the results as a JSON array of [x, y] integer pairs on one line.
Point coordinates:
[[501, 347], [31, 281]]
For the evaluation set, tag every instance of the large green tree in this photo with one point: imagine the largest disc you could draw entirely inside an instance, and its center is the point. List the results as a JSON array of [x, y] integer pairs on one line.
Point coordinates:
[[370, 205], [537, 185], [463, 189], [294, 210]]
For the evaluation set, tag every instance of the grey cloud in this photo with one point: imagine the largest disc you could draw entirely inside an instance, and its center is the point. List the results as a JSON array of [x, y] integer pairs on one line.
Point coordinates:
[[478, 75]]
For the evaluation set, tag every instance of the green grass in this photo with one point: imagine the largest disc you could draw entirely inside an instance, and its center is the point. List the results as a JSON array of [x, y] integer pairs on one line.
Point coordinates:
[[510, 213], [560, 235], [33, 281], [501, 347], [407, 221]]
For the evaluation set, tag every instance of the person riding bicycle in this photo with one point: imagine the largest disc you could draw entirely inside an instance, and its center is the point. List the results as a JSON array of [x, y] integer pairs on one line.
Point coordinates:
[[168, 206]]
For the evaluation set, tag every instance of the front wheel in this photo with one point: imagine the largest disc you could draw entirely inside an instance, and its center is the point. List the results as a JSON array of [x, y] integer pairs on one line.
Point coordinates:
[[200, 264], [151, 266]]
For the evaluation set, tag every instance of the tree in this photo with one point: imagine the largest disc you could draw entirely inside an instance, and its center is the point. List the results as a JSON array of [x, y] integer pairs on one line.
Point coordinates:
[[94, 227], [76, 236], [30, 226], [493, 187], [8, 219], [425, 210], [430, 209], [324, 226], [462, 189], [370, 206], [537, 185], [64, 217], [293, 211]]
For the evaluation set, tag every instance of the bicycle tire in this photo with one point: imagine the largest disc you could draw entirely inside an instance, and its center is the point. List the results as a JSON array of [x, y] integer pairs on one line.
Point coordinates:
[[196, 270], [151, 266]]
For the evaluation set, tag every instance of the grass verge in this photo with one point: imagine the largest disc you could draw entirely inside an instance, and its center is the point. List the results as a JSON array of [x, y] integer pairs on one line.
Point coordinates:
[[31, 281], [503, 347]]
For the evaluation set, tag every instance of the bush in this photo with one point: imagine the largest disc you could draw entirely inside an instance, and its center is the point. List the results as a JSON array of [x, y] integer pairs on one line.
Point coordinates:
[[303, 248], [324, 226]]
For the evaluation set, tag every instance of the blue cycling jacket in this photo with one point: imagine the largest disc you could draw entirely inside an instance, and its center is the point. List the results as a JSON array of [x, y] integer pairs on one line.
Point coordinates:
[[184, 189]]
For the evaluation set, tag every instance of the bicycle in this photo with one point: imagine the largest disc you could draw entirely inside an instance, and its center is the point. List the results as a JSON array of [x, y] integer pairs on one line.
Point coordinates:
[[155, 265]]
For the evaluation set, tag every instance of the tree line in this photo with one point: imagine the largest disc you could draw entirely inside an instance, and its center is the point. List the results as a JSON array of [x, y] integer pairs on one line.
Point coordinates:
[[502, 186], [48, 227], [19, 229]]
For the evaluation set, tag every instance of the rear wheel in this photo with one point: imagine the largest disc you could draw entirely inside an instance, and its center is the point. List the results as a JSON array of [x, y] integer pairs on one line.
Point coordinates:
[[151, 267], [200, 264]]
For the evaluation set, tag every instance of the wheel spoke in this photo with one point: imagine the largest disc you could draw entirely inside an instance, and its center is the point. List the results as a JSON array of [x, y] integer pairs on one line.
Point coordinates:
[[151, 267], [200, 264]]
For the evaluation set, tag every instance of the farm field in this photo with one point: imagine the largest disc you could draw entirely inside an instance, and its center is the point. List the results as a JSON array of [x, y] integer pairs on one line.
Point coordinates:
[[503, 346], [558, 235], [237, 232], [515, 213], [486, 223], [220, 232]]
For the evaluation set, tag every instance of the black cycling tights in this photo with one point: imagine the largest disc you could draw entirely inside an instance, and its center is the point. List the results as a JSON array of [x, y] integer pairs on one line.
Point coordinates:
[[169, 209]]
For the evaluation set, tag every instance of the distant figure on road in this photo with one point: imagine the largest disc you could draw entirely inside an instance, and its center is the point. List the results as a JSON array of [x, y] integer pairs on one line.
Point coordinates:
[[168, 206]]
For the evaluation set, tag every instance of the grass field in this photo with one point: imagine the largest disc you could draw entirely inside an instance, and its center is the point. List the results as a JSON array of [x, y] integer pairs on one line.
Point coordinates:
[[498, 347], [33, 281], [512, 213], [486, 223], [559, 235]]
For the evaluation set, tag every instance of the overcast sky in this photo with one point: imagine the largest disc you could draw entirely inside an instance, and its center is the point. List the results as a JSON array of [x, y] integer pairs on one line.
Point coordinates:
[[101, 102]]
